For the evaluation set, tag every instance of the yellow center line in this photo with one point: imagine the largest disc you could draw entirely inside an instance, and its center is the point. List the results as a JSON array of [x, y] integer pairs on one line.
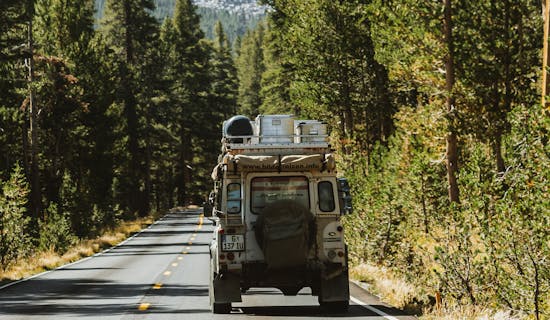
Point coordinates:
[[180, 258], [184, 252], [167, 273], [187, 248], [190, 242], [200, 221], [175, 264], [157, 286], [144, 306]]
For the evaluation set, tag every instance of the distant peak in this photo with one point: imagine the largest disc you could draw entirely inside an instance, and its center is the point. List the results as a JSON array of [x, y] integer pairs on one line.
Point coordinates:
[[235, 6]]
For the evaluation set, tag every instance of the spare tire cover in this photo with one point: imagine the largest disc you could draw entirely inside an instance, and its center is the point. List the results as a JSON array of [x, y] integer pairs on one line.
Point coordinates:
[[238, 126], [283, 232]]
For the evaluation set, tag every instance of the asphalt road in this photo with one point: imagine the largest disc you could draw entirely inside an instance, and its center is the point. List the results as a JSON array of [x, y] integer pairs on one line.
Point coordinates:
[[161, 273]]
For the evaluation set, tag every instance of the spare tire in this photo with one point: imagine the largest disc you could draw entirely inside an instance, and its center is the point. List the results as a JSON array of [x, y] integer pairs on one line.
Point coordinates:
[[238, 126], [283, 232]]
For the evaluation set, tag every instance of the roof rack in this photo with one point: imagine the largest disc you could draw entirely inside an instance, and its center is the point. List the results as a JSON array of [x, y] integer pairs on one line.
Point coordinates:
[[274, 134], [268, 144]]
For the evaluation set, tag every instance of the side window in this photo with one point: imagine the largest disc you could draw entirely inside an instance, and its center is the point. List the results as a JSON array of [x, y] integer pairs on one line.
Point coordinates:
[[234, 198], [326, 196]]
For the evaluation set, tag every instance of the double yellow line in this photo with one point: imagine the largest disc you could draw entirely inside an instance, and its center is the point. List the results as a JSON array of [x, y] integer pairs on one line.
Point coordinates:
[[145, 305]]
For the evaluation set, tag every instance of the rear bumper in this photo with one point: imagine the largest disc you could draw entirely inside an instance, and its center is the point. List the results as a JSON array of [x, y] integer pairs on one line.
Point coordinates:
[[259, 275]]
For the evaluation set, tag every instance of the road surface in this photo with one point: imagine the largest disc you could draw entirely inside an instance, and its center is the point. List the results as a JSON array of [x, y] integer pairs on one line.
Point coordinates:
[[161, 273]]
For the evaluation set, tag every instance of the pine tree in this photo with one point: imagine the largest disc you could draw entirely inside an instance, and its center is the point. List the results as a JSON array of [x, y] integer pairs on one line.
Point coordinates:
[[14, 242], [64, 27], [130, 31], [497, 54], [328, 48], [224, 75], [59, 30], [188, 72], [250, 66], [13, 124], [276, 79]]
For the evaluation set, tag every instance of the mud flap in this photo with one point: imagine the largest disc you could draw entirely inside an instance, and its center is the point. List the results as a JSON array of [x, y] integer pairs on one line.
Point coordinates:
[[226, 288], [335, 289]]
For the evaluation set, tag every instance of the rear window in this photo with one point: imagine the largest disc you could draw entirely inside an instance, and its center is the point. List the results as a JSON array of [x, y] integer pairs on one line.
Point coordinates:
[[267, 190], [326, 196]]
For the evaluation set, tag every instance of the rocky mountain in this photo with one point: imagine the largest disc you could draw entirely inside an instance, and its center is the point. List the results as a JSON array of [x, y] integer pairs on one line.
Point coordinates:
[[165, 7], [236, 15], [250, 7]]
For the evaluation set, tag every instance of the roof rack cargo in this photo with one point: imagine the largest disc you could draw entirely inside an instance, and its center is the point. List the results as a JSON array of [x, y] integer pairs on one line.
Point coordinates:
[[270, 134]]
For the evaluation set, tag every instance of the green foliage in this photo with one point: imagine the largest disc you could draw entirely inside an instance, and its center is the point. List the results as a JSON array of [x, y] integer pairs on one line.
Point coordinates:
[[235, 23], [13, 18], [250, 67], [329, 49], [55, 231], [520, 236], [129, 114], [14, 240], [490, 248], [73, 25], [131, 32], [224, 75], [275, 81], [195, 98]]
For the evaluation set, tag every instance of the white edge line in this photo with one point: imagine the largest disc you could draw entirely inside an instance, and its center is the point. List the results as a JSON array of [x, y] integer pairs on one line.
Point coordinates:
[[373, 309], [81, 260]]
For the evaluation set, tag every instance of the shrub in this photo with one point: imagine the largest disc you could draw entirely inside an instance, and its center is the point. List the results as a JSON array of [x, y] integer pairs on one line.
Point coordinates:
[[14, 242], [55, 231]]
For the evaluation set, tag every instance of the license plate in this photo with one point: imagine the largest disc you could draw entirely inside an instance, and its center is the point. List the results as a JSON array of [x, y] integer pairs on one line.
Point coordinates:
[[233, 242]]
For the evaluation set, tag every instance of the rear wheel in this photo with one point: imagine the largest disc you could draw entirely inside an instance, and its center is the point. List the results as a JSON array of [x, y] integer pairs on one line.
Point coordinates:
[[221, 308]]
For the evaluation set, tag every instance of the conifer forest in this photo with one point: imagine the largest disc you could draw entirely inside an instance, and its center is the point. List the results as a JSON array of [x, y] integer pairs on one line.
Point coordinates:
[[434, 109]]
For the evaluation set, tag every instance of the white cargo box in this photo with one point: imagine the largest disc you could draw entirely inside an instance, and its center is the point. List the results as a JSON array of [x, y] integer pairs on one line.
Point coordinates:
[[308, 131], [275, 128]]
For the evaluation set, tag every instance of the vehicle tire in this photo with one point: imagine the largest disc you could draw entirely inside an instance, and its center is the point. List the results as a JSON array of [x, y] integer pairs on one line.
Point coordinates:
[[221, 308], [335, 306]]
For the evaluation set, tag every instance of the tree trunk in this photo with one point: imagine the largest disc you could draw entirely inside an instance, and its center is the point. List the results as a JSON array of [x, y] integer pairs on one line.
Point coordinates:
[[36, 195], [146, 200], [452, 140], [134, 201], [497, 151], [25, 142], [182, 175]]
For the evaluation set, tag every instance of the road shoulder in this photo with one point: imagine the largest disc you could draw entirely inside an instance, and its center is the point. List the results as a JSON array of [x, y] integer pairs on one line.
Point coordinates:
[[361, 296]]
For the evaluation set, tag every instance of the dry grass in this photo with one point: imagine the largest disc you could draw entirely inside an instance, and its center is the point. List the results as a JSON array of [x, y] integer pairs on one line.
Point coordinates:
[[402, 295], [468, 313], [48, 260], [387, 286]]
